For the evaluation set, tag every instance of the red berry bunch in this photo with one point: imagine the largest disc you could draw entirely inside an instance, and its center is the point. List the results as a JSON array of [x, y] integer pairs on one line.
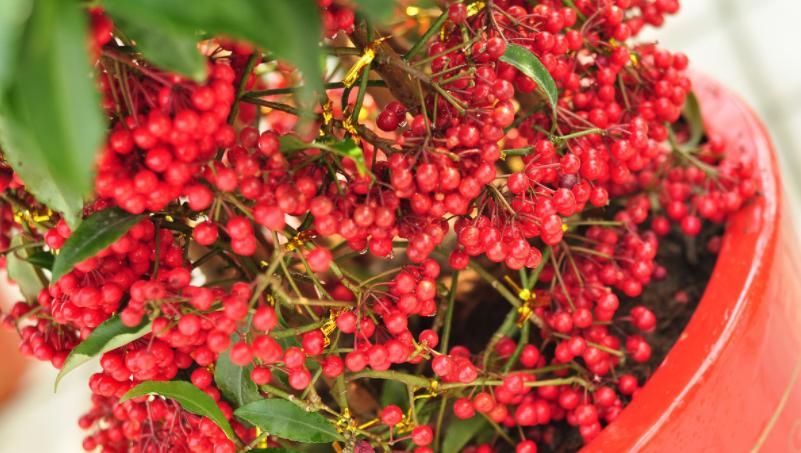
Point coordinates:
[[336, 18], [154, 154], [156, 425], [314, 251]]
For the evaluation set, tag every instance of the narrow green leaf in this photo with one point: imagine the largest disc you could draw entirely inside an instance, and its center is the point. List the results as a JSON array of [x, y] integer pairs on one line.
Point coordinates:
[[292, 143], [349, 148], [459, 433], [12, 23], [695, 121], [378, 11], [111, 334], [394, 392], [531, 66], [51, 123], [234, 382], [273, 450], [97, 232], [188, 396], [169, 48], [268, 24], [286, 420], [22, 272], [41, 259]]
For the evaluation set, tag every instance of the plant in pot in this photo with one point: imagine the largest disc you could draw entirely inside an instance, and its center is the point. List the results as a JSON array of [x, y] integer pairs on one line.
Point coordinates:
[[392, 226]]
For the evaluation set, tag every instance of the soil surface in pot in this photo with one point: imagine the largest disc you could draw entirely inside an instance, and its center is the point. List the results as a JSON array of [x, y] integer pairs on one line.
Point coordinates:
[[673, 299]]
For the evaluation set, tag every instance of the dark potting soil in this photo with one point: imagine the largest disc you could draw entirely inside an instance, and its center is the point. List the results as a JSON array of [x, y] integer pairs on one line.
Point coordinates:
[[673, 300]]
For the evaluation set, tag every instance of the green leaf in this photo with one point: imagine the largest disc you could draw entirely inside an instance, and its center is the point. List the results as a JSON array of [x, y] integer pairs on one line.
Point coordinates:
[[12, 23], [349, 148], [292, 143], [378, 11], [460, 432], [41, 259], [695, 121], [234, 382], [286, 420], [394, 392], [51, 123], [289, 29], [23, 273], [111, 334], [167, 47], [188, 396], [531, 66], [97, 232], [273, 450]]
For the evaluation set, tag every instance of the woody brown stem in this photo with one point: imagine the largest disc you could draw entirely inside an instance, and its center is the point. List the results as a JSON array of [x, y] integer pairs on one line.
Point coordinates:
[[389, 64]]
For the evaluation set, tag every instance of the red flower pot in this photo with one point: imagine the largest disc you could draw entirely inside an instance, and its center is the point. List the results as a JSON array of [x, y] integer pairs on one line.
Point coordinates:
[[732, 382], [12, 362]]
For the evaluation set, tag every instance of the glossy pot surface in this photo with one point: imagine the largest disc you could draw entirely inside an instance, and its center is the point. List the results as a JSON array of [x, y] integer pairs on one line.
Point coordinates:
[[12, 363], [732, 381]]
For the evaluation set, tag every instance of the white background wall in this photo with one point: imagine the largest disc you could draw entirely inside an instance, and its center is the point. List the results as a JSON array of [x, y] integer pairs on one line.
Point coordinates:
[[754, 47]]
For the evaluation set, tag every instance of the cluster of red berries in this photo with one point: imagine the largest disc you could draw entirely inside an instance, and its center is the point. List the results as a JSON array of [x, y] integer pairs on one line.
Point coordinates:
[[9, 182], [712, 190], [575, 196], [150, 426], [154, 154], [336, 18], [412, 292]]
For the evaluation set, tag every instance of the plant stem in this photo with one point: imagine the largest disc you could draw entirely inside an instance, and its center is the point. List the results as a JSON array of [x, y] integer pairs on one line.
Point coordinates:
[[357, 108], [445, 52], [285, 333], [446, 330], [496, 284], [390, 375], [530, 384], [426, 36], [614, 352], [380, 276], [498, 430], [128, 61], [571, 5], [289, 90], [591, 222], [22, 246], [280, 107], [443, 404], [558, 274], [521, 343], [592, 252], [591, 131], [243, 81], [518, 151], [535, 276], [503, 330]]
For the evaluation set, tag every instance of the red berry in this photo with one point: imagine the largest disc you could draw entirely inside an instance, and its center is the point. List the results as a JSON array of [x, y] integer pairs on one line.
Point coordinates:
[[463, 408], [265, 318], [299, 378], [261, 375], [387, 121], [319, 259], [241, 354], [313, 342], [391, 415], [422, 435], [526, 446]]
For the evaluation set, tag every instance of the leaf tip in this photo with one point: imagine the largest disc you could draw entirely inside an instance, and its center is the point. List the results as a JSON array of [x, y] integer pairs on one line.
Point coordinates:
[[200, 75]]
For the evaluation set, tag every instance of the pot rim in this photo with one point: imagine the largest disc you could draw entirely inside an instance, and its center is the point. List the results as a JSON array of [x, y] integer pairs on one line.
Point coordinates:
[[747, 250]]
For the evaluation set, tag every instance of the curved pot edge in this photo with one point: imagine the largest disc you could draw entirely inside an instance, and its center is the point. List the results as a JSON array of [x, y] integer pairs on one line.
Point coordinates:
[[746, 257]]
